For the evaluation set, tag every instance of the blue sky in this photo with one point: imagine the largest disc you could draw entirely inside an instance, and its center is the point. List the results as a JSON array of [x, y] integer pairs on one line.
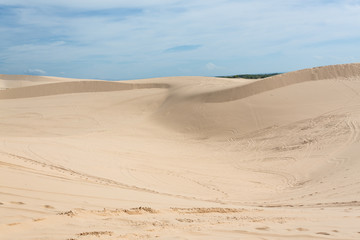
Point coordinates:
[[121, 39]]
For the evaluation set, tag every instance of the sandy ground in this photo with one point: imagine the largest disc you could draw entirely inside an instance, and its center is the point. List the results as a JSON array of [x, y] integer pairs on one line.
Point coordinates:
[[181, 157]]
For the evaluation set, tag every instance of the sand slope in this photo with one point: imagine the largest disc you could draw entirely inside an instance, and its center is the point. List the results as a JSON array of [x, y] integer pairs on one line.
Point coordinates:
[[181, 157], [15, 81]]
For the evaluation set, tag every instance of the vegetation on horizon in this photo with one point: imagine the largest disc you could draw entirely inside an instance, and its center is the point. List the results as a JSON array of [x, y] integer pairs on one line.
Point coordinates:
[[251, 76]]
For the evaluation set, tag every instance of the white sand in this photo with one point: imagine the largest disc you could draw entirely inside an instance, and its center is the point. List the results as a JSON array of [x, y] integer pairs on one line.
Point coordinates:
[[181, 157]]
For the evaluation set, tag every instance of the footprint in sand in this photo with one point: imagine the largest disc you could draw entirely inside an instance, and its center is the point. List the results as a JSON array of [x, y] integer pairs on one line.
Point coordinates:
[[302, 229], [95, 233], [263, 228], [13, 224], [38, 219], [17, 203], [49, 207]]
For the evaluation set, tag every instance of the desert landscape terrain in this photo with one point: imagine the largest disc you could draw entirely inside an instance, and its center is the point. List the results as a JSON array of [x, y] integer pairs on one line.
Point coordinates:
[[181, 157]]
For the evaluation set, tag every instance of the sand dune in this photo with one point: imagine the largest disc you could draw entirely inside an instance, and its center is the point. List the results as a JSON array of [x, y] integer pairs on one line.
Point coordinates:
[[15, 81], [48, 89], [320, 73], [181, 157]]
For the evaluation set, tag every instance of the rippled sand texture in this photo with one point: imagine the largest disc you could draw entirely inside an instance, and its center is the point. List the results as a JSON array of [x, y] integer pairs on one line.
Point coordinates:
[[181, 157]]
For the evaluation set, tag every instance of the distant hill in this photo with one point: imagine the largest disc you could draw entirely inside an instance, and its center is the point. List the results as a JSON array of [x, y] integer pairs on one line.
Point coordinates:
[[251, 76]]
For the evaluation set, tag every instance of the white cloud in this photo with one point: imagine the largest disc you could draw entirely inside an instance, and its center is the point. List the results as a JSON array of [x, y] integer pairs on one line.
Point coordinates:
[[211, 66], [38, 72], [86, 4]]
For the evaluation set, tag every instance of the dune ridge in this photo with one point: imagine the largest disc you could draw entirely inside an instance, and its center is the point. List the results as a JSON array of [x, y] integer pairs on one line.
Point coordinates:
[[283, 80], [49, 89], [182, 157], [231, 94], [15, 81], [14, 77]]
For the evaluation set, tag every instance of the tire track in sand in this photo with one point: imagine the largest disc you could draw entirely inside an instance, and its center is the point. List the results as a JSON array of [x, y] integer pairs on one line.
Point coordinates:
[[100, 180]]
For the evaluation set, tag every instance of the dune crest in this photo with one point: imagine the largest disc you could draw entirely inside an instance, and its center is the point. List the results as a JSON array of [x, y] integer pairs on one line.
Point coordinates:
[[15, 81], [344, 71], [73, 87]]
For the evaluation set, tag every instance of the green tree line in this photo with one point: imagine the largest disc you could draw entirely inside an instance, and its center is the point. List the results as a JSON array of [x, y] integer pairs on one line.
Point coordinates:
[[251, 76]]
